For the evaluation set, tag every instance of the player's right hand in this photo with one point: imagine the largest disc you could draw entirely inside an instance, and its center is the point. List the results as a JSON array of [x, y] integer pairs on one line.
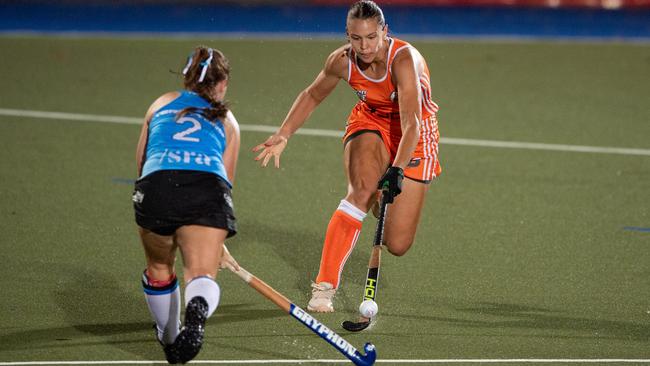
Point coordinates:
[[271, 148], [227, 261], [391, 183]]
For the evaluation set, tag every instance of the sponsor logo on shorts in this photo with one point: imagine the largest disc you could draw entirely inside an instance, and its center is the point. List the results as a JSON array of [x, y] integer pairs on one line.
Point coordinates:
[[137, 197], [414, 162], [228, 199]]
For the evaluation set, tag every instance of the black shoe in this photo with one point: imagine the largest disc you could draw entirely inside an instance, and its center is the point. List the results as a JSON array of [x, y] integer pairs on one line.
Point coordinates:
[[188, 343], [155, 334], [164, 346]]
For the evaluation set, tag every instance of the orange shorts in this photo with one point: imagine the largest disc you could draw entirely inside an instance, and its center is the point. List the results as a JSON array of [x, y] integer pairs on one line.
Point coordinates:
[[424, 165]]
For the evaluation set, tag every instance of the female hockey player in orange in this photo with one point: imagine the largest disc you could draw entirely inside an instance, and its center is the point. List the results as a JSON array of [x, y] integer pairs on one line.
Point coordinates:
[[391, 133]]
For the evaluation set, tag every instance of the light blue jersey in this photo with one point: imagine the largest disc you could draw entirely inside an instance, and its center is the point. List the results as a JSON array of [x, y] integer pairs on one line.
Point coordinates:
[[188, 143]]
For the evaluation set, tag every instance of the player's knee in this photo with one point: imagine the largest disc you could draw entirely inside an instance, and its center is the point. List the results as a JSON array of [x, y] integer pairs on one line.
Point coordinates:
[[398, 247], [398, 252]]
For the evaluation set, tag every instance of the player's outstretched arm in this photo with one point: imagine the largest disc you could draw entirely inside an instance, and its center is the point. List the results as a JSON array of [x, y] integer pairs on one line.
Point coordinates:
[[303, 106]]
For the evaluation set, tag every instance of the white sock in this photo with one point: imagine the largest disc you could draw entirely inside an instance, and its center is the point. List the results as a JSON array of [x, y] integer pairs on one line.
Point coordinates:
[[165, 307], [351, 210], [205, 287]]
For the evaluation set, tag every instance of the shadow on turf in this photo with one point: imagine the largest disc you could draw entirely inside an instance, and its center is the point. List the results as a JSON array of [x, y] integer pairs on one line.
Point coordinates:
[[243, 312], [101, 312], [94, 305], [526, 317], [301, 251]]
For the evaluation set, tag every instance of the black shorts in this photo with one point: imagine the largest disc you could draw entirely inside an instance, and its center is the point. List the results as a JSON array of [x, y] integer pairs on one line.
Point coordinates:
[[168, 199]]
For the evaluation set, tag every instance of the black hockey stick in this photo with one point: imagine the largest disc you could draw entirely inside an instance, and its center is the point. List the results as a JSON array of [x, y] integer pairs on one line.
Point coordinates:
[[370, 289]]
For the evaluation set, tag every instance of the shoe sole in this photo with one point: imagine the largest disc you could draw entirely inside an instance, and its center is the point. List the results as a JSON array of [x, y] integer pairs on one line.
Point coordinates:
[[189, 341]]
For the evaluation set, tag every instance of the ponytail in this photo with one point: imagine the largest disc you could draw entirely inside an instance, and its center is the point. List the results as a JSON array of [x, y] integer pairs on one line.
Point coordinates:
[[205, 68]]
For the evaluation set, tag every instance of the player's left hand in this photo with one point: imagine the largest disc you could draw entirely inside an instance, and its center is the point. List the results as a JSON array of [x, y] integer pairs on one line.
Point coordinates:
[[227, 261], [391, 183]]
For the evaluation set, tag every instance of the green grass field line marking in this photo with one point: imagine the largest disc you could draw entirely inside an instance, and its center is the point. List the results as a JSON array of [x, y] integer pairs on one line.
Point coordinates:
[[339, 134], [249, 362]]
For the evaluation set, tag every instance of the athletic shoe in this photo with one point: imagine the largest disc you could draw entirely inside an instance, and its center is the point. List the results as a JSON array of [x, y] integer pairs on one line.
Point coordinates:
[[169, 354], [322, 295], [155, 332], [189, 341]]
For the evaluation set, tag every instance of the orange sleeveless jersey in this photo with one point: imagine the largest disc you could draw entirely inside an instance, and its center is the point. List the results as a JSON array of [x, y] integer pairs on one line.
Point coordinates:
[[378, 110]]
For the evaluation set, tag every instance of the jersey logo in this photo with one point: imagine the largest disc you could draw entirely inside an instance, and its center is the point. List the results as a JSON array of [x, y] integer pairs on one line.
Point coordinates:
[[393, 96], [361, 94]]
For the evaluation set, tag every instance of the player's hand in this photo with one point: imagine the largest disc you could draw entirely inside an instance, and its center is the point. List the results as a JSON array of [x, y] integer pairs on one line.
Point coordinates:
[[391, 183], [227, 261], [271, 148]]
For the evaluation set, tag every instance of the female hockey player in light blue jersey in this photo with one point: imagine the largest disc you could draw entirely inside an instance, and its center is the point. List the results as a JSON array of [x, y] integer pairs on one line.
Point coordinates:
[[186, 158]]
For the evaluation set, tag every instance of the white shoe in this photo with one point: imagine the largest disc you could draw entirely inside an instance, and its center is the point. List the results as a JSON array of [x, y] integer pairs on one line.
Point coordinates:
[[321, 298]]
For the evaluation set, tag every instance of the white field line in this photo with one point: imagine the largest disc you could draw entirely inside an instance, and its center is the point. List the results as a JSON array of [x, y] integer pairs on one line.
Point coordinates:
[[290, 362], [339, 134]]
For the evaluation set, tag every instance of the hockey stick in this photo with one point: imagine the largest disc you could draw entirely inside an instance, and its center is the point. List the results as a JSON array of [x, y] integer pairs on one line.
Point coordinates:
[[370, 290], [310, 322]]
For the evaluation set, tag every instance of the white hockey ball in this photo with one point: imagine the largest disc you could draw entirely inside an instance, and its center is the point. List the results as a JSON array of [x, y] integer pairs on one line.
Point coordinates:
[[368, 308]]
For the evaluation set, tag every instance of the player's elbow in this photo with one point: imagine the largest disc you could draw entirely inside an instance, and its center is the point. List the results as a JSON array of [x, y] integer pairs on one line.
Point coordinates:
[[313, 96]]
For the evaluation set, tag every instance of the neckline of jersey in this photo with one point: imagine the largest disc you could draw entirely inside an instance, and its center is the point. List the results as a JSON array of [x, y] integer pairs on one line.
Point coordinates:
[[390, 49]]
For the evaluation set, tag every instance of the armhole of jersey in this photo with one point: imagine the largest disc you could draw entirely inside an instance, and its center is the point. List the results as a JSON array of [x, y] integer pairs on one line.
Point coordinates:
[[350, 65], [143, 158], [390, 67], [180, 94], [231, 121]]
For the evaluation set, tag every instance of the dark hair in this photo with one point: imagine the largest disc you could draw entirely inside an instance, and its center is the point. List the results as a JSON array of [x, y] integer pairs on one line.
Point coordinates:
[[366, 9], [204, 69]]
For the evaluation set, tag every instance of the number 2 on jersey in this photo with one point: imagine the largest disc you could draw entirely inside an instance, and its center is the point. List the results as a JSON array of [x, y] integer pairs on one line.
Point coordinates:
[[183, 135]]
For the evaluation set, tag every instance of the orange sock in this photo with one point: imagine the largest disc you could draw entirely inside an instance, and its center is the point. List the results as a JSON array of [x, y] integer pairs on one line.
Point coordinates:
[[342, 234]]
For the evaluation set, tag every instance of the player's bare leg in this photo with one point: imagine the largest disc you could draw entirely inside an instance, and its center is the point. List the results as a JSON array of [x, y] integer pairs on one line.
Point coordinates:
[[365, 160], [160, 252], [201, 248], [160, 285], [403, 217]]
